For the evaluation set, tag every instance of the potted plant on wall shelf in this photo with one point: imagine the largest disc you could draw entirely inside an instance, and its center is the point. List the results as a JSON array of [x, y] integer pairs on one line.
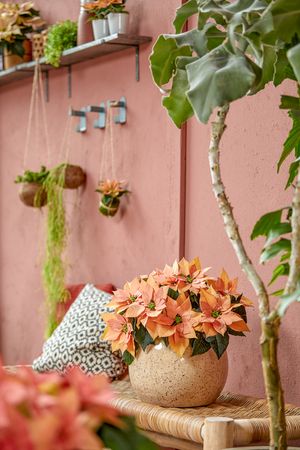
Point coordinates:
[[61, 36], [16, 22], [173, 329], [118, 17], [235, 50], [112, 191], [98, 12], [32, 191]]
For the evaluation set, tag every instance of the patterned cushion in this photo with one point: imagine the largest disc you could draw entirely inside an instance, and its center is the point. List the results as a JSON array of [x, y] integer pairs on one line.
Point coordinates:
[[77, 340]]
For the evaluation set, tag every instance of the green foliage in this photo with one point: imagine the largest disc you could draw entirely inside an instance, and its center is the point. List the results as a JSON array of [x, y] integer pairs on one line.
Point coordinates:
[[126, 438], [54, 267], [200, 345], [127, 358], [33, 177], [61, 36], [142, 337], [236, 48], [219, 343]]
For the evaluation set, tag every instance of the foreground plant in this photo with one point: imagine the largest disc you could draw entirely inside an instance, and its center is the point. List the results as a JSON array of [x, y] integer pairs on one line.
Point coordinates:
[[112, 191], [181, 306], [236, 49], [66, 412]]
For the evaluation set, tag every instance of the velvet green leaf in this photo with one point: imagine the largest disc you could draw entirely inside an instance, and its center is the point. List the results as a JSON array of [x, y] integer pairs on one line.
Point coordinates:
[[294, 58], [216, 79], [183, 13], [177, 103], [272, 250], [286, 17], [173, 294], [127, 358], [142, 337], [281, 270], [163, 58], [200, 345], [268, 68], [266, 224], [219, 343], [290, 102]]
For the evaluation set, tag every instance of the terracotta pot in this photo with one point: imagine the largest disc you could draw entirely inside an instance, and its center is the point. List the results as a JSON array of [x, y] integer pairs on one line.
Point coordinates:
[[33, 194], [159, 376], [11, 60], [74, 176]]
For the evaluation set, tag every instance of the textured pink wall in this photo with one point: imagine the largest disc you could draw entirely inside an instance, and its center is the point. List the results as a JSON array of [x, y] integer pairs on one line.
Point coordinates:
[[149, 156], [250, 149]]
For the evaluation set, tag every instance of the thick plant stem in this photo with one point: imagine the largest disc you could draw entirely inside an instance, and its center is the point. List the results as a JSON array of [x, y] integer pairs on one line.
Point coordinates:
[[269, 347], [270, 322], [294, 275]]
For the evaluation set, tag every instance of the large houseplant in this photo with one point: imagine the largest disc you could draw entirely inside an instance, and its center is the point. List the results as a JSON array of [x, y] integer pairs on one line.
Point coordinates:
[[182, 309], [237, 48], [17, 20]]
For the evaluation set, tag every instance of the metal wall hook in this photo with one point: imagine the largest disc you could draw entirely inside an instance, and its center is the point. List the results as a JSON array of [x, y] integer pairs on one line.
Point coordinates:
[[82, 127], [101, 121], [121, 104]]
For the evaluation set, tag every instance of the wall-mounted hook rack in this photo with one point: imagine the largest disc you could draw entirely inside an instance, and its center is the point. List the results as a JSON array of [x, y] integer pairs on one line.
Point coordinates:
[[82, 127], [121, 104], [101, 121]]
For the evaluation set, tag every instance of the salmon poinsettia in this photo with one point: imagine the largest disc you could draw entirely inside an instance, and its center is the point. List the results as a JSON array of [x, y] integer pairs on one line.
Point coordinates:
[[181, 305]]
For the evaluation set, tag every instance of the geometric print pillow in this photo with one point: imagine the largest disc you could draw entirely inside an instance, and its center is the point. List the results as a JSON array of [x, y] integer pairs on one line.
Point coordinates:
[[77, 340]]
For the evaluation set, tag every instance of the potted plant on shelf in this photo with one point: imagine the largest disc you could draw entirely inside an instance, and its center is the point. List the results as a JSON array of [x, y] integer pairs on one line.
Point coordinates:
[[112, 191], [98, 12], [70, 411], [235, 50], [16, 22], [61, 36], [118, 17], [173, 329], [32, 191]]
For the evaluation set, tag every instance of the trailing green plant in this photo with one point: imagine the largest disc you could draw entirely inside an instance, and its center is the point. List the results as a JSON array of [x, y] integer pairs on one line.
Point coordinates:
[[61, 36], [33, 177], [54, 268], [236, 48]]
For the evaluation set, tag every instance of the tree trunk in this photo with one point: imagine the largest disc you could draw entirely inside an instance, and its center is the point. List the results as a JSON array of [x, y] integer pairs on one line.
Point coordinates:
[[270, 322]]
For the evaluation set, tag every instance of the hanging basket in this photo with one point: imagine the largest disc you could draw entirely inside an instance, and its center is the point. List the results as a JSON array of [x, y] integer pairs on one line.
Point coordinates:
[[109, 205], [73, 177], [33, 194]]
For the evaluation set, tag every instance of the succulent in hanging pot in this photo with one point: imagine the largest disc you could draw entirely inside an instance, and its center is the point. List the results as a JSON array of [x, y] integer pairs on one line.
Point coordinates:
[[112, 191], [73, 176], [32, 191]]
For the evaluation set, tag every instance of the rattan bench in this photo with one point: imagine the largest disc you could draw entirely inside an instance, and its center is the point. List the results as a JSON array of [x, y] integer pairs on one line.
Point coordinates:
[[233, 420]]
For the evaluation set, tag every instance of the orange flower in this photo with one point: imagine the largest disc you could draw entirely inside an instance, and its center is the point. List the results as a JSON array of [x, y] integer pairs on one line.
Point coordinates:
[[225, 286], [123, 298], [217, 314], [113, 188], [119, 332]]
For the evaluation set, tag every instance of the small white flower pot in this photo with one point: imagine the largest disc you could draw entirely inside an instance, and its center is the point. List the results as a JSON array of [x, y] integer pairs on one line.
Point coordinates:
[[118, 23], [100, 28]]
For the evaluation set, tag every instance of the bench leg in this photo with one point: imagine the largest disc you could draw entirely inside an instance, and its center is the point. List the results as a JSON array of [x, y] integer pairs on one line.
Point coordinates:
[[217, 433]]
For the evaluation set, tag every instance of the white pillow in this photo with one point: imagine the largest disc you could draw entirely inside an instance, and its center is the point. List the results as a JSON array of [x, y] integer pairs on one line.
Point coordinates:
[[77, 340]]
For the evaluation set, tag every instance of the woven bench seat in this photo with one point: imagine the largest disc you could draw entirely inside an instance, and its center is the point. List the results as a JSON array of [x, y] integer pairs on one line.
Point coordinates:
[[232, 420]]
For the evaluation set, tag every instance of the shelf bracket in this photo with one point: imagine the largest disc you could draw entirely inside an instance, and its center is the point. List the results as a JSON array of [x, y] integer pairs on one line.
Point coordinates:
[[81, 127], [121, 104], [101, 121], [69, 81]]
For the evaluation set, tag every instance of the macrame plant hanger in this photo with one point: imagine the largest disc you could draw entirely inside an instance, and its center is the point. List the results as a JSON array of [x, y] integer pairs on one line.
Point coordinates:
[[107, 166]]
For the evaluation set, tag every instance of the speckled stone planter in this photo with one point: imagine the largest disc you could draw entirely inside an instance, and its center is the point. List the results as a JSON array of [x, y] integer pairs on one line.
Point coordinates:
[[159, 376]]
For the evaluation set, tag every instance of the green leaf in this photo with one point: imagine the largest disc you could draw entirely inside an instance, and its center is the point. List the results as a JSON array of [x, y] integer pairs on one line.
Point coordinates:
[[287, 300], [278, 230], [127, 358], [282, 269], [272, 250], [278, 293], [216, 79], [283, 69], [266, 224], [241, 311], [173, 294], [290, 102], [293, 172], [219, 343], [177, 103], [200, 345], [163, 58], [183, 13], [292, 140], [293, 55], [286, 17], [235, 333], [142, 337], [268, 68]]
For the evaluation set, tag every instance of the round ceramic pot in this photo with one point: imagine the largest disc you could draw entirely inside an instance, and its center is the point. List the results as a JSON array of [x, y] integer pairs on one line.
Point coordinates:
[[11, 60], [33, 194], [159, 376], [100, 28], [118, 23], [73, 178], [109, 206]]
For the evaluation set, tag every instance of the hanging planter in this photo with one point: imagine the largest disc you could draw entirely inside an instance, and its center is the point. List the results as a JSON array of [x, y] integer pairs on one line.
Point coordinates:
[[32, 191], [111, 192], [70, 176]]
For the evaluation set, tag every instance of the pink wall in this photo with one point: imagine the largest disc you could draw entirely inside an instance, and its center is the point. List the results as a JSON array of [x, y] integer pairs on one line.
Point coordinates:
[[149, 156]]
